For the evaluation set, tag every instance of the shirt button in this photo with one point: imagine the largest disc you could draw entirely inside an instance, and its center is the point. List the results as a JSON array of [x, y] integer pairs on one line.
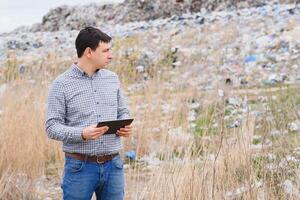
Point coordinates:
[[95, 90], [97, 102]]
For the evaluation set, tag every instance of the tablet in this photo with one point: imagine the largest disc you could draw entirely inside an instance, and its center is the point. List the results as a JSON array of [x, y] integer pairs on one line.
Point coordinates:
[[115, 125]]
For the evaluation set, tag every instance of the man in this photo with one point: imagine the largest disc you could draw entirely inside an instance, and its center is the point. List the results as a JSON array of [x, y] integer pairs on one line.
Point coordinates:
[[83, 95]]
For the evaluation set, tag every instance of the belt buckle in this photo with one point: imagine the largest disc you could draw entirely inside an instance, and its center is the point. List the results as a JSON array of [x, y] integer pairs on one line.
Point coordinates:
[[98, 161]]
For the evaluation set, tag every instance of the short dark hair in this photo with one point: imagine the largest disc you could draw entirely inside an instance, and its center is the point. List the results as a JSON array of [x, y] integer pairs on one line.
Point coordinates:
[[90, 37]]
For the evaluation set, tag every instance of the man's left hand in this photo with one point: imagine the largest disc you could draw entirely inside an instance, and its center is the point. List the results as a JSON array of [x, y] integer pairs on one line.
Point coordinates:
[[125, 132]]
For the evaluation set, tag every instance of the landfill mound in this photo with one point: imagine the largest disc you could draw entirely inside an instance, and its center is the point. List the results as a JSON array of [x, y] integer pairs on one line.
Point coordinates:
[[249, 47], [75, 17]]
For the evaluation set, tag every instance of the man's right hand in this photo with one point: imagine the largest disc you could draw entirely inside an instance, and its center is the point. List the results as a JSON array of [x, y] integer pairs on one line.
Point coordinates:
[[93, 132]]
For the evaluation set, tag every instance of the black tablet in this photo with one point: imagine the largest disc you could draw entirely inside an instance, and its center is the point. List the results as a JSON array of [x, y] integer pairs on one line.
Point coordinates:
[[115, 125]]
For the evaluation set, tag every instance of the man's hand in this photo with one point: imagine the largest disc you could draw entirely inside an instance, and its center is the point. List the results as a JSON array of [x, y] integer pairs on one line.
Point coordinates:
[[92, 132], [125, 132]]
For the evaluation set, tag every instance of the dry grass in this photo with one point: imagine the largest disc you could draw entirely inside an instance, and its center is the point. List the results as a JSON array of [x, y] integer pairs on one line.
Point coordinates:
[[24, 147], [209, 166], [24, 143], [225, 165]]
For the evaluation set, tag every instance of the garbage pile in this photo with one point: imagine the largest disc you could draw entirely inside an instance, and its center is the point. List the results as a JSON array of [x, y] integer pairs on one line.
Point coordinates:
[[65, 18], [264, 52]]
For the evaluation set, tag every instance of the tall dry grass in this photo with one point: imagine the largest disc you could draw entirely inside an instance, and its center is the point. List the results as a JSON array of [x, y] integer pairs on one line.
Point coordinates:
[[24, 148], [208, 166], [220, 166]]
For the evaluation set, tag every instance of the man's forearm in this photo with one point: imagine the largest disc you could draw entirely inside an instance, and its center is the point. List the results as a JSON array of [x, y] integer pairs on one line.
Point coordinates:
[[64, 133], [123, 113]]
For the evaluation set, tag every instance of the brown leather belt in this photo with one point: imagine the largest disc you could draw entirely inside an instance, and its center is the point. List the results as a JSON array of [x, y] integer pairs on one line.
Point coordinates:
[[97, 159]]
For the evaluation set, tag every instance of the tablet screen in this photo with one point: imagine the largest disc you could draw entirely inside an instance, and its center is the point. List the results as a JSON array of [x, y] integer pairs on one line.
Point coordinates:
[[115, 125]]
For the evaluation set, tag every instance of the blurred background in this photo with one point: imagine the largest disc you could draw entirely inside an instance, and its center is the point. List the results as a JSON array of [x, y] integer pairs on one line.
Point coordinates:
[[15, 14], [213, 87]]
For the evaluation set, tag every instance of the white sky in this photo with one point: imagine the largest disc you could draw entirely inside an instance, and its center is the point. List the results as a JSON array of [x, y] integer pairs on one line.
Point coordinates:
[[15, 13]]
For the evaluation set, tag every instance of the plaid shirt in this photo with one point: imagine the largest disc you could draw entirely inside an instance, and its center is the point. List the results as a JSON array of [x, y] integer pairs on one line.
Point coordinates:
[[76, 101]]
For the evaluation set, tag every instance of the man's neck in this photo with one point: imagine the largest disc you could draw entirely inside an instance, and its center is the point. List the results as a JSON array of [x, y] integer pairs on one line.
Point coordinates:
[[88, 68]]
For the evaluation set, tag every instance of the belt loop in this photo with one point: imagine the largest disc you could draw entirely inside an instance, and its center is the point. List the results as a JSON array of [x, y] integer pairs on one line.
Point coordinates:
[[85, 158]]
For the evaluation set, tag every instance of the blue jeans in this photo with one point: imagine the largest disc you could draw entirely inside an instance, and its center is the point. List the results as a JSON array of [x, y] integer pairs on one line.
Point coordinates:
[[82, 178]]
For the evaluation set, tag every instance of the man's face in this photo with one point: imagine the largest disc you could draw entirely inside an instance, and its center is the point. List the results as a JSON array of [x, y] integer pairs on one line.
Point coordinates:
[[102, 55]]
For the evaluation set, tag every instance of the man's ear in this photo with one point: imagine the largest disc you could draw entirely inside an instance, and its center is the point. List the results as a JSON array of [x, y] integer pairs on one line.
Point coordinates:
[[88, 52]]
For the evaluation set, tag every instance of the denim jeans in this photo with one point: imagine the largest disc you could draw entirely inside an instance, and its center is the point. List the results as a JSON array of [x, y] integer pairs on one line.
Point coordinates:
[[82, 178]]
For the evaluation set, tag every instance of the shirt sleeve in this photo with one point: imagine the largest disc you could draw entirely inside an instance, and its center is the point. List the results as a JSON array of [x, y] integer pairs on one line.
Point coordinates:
[[55, 121], [123, 111]]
